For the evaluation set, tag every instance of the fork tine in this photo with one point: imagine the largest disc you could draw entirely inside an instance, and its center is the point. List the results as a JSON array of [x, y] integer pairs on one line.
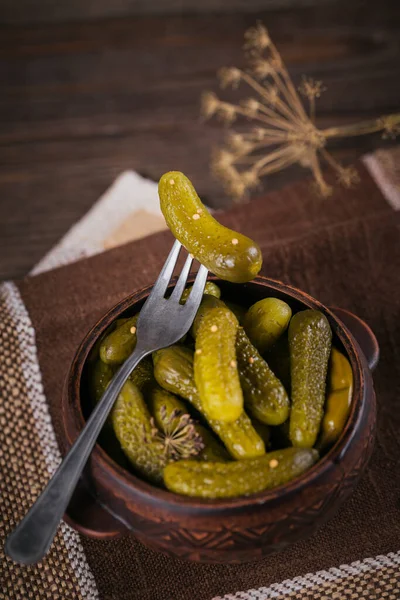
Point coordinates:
[[198, 287], [165, 275], [180, 284]]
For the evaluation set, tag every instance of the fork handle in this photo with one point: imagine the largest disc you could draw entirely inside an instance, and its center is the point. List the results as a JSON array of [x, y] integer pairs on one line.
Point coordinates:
[[31, 539]]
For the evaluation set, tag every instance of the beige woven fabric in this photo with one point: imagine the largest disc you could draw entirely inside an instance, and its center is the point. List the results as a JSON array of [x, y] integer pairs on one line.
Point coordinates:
[[28, 454]]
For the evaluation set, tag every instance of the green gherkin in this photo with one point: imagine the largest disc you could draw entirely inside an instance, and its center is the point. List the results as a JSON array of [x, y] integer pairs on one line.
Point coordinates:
[[137, 435], [226, 253], [173, 370], [310, 338], [100, 376], [215, 366], [238, 478], [265, 322], [207, 303], [172, 418], [143, 374], [210, 289], [264, 395], [120, 343]]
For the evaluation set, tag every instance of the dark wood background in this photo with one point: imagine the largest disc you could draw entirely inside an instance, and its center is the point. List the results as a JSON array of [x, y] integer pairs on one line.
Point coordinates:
[[87, 93]]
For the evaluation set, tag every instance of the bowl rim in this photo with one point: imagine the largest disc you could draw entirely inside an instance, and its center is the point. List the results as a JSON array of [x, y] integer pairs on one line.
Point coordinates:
[[151, 493]]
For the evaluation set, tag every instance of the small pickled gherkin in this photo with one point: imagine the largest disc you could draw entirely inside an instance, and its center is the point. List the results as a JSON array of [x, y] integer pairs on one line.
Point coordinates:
[[212, 451], [264, 395], [211, 289], [100, 376], [265, 322], [238, 478], [118, 345], [143, 374], [173, 370], [226, 253], [215, 366], [191, 439], [206, 304], [181, 438], [338, 400], [310, 338], [134, 429]]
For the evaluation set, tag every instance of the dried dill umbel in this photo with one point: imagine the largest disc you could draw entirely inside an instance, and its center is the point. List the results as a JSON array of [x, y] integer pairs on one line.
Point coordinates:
[[282, 129], [178, 436]]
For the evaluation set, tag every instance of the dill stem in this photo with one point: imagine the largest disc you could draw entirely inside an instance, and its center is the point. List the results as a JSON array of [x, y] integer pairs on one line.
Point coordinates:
[[277, 165], [266, 132], [282, 151], [278, 123], [316, 171], [330, 160], [361, 128]]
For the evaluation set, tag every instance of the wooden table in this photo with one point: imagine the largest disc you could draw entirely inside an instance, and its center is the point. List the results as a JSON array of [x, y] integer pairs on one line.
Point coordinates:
[[82, 102]]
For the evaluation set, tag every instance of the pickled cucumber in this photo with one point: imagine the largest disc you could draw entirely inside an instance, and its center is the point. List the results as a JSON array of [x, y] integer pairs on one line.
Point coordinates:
[[230, 255], [215, 367], [135, 431], [143, 374], [238, 478], [120, 343], [171, 416], [173, 370], [181, 437], [100, 376], [212, 451], [265, 322], [264, 395], [338, 400], [166, 408], [211, 289], [206, 304], [310, 338]]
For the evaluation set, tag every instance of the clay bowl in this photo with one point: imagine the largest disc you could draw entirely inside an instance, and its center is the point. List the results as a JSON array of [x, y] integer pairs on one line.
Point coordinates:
[[112, 499]]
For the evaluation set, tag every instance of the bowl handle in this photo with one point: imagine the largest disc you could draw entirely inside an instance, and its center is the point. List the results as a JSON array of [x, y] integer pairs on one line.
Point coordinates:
[[362, 333], [87, 517]]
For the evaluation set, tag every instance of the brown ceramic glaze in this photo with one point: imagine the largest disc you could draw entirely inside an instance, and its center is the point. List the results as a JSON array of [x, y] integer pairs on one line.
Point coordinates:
[[240, 529]]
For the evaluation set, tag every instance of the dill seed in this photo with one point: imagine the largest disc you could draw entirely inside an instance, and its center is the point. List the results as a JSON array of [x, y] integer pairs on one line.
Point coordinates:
[[273, 463], [233, 363], [235, 241], [251, 360], [132, 330], [195, 217], [198, 351], [214, 328], [172, 182]]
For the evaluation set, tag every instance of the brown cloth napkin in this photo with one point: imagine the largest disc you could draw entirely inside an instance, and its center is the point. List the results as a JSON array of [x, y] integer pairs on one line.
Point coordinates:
[[345, 251]]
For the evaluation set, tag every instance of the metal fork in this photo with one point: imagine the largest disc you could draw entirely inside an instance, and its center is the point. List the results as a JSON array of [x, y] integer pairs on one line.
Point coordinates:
[[162, 322]]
